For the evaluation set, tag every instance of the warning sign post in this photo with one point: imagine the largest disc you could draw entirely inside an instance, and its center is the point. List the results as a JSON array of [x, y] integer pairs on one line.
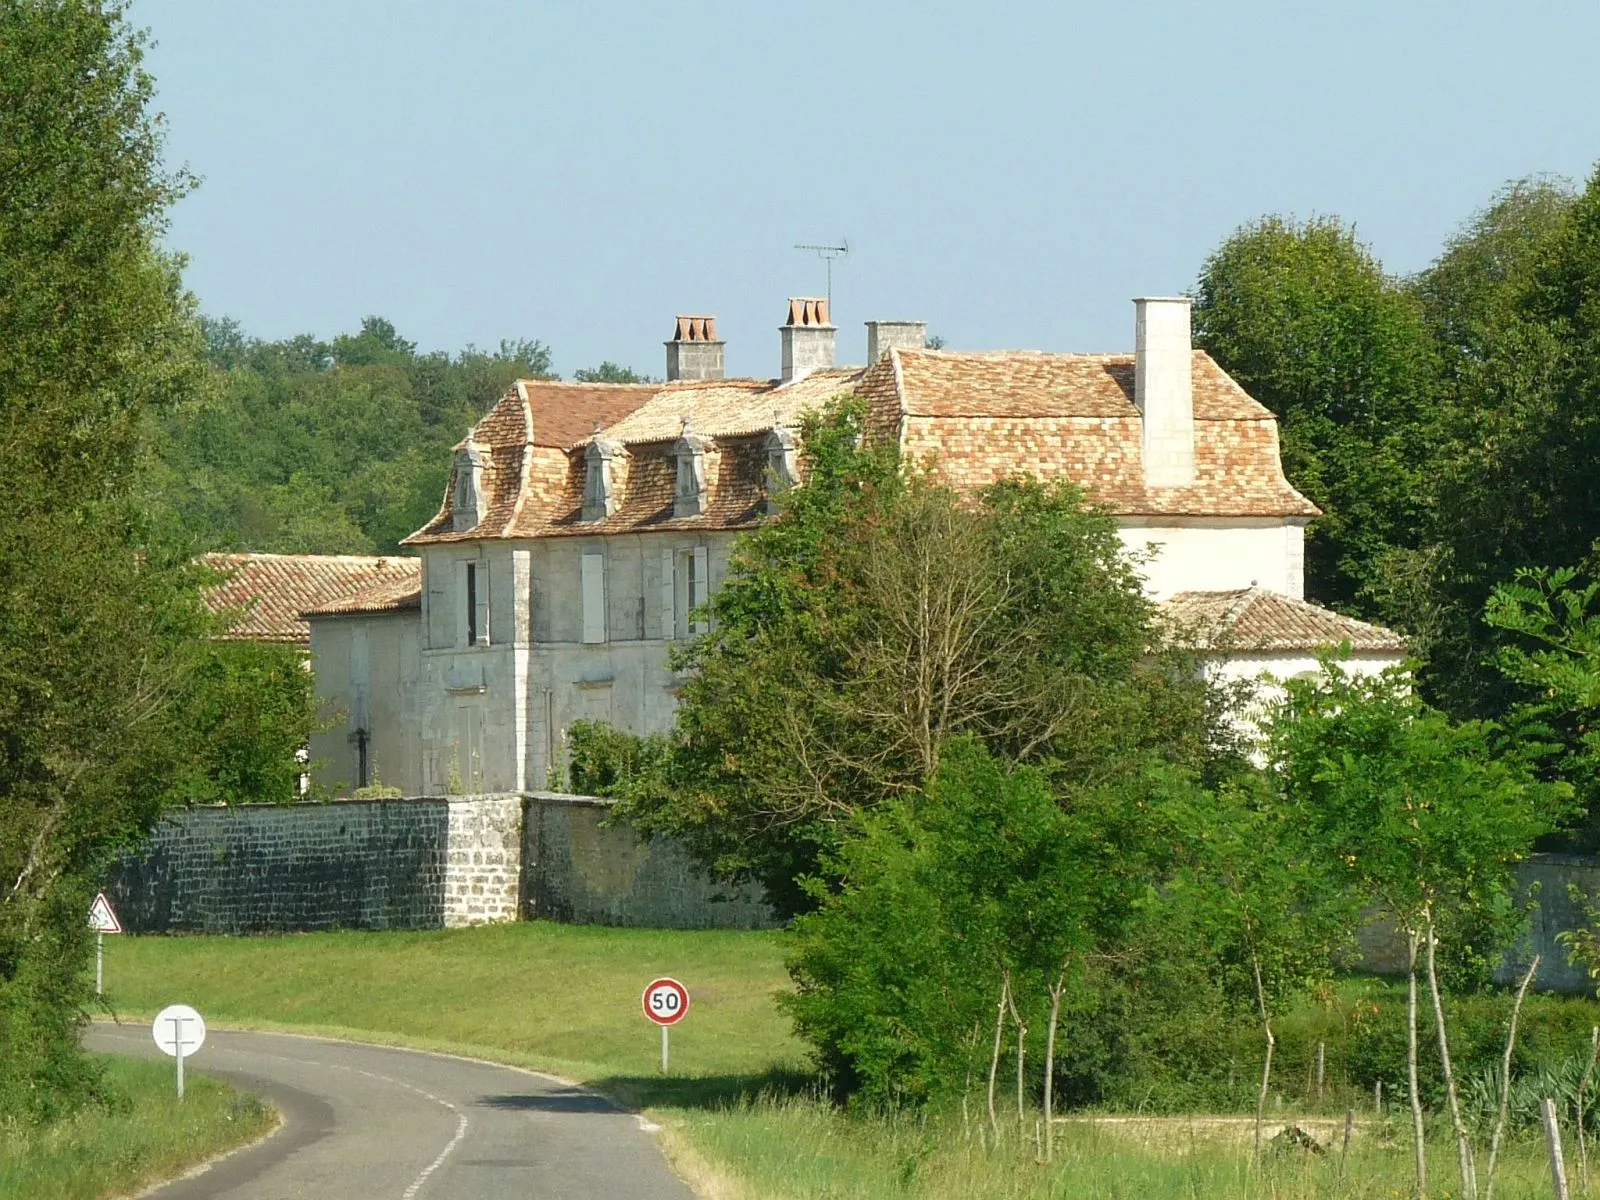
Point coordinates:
[[103, 920]]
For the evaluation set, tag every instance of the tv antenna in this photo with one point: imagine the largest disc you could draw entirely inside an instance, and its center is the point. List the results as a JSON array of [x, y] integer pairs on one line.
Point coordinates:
[[827, 254]]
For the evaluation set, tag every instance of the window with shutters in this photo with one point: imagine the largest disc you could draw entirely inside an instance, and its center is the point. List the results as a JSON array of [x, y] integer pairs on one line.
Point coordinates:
[[472, 604], [594, 596], [693, 578]]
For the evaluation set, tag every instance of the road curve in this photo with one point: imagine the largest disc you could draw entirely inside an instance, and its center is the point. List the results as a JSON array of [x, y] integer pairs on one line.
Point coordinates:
[[372, 1123]]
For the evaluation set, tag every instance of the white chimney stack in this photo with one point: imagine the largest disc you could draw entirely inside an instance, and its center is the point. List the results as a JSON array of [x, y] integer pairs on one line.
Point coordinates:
[[807, 338], [1163, 388], [883, 336]]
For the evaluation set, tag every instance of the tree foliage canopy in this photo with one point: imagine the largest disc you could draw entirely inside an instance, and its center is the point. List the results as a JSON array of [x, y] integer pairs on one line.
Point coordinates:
[[878, 616]]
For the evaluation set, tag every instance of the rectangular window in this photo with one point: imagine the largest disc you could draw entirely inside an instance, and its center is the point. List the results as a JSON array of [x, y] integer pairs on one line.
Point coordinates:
[[472, 604], [594, 596], [693, 580]]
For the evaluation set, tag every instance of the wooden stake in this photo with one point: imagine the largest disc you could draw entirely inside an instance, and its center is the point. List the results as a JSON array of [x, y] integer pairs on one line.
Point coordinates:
[[1552, 1142], [1320, 1065]]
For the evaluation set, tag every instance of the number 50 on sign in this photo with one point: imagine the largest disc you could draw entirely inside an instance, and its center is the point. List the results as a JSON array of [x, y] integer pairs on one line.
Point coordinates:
[[665, 1002]]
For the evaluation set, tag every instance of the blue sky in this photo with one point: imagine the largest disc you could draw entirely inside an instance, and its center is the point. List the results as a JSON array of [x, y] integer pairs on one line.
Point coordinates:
[[1011, 173]]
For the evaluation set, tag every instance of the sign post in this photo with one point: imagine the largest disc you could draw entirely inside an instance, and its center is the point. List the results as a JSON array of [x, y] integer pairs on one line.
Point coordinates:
[[665, 1002], [179, 1031], [103, 920]]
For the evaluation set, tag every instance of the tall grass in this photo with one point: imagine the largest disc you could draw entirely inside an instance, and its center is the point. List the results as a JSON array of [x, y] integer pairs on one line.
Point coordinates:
[[137, 1135], [779, 1148]]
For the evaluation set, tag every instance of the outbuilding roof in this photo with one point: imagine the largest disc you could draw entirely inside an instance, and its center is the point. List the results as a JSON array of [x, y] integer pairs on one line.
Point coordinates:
[[1259, 619], [266, 594]]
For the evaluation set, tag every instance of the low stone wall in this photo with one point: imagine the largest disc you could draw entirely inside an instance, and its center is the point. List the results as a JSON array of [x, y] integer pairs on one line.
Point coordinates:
[[579, 870], [355, 864], [1542, 881], [414, 864]]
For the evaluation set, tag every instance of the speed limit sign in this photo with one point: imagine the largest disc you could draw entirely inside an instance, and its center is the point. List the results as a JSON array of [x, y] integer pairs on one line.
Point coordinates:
[[665, 1001]]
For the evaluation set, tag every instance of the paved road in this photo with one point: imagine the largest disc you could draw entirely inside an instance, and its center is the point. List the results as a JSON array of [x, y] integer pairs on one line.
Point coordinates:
[[368, 1123]]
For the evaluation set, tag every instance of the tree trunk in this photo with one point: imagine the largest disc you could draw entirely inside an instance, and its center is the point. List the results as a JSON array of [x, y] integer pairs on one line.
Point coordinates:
[[1266, 1066], [994, 1061], [1505, 1082], [1412, 940], [1464, 1157], [1050, 1066]]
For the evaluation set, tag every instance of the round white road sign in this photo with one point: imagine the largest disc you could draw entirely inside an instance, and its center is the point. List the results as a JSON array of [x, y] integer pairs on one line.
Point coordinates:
[[178, 1023], [665, 1001]]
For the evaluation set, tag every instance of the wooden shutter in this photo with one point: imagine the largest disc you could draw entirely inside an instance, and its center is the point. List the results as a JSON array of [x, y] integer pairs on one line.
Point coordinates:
[[483, 602], [669, 603], [594, 597], [702, 581]]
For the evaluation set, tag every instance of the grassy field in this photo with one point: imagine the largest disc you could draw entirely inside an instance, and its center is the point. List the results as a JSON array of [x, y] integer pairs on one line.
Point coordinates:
[[559, 997], [742, 1122], [140, 1135]]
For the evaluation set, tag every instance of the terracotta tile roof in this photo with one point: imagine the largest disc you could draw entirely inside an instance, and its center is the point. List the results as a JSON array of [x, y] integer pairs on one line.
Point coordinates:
[[735, 484], [1259, 619], [979, 417], [534, 414], [393, 595], [983, 417], [271, 591], [535, 486], [730, 407]]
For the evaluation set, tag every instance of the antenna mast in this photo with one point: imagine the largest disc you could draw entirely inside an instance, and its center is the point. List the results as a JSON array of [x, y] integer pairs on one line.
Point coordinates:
[[828, 254]]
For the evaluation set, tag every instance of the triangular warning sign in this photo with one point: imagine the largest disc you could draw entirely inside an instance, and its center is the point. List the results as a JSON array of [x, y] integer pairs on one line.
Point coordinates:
[[101, 917]]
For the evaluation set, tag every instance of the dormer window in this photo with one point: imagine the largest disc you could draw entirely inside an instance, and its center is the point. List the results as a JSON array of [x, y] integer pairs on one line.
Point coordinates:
[[782, 472], [599, 486], [468, 505], [689, 498]]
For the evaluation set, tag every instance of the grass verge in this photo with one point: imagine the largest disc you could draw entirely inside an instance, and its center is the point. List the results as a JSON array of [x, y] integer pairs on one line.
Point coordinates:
[[741, 1119], [138, 1135]]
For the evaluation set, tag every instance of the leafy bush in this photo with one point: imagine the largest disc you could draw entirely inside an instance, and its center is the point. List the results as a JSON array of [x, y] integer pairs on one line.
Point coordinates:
[[602, 759]]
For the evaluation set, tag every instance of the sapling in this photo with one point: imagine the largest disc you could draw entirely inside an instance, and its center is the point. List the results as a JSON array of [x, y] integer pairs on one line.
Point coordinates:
[[1022, 1044], [1464, 1156], [1505, 1083], [994, 1060], [1583, 1091], [1413, 939], [1266, 1066], [1056, 991]]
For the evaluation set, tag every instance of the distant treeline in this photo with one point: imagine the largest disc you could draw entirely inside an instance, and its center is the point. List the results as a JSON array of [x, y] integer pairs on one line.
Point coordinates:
[[324, 447]]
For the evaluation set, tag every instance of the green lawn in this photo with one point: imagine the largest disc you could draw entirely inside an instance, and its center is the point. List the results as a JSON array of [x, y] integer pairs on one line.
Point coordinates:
[[139, 1135], [561, 997], [742, 1119]]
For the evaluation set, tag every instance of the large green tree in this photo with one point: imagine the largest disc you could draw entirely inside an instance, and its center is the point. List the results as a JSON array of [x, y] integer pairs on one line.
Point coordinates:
[[98, 624], [880, 614], [1304, 317], [1518, 488]]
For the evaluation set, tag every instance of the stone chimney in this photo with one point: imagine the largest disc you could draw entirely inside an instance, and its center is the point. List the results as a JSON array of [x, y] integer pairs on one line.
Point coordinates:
[[807, 338], [884, 336], [694, 351], [1163, 388]]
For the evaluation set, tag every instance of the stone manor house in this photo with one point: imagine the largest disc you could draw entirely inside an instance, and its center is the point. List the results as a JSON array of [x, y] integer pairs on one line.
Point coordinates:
[[584, 523]]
